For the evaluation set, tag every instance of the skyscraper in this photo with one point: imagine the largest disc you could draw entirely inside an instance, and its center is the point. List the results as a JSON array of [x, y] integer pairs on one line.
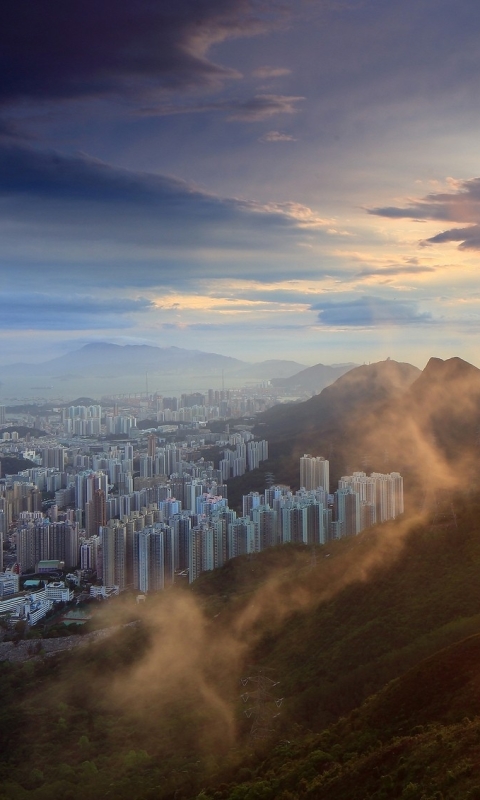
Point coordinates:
[[152, 445], [314, 473]]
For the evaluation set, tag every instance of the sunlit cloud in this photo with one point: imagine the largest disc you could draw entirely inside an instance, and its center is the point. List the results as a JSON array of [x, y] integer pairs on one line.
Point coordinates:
[[145, 166], [276, 136], [460, 205], [151, 47]]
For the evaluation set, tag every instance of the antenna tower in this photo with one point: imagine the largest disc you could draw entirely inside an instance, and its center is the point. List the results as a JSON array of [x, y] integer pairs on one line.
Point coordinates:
[[264, 705], [269, 479]]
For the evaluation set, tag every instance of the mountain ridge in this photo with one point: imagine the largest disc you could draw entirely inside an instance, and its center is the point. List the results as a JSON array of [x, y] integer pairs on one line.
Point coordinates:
[[383, 417]]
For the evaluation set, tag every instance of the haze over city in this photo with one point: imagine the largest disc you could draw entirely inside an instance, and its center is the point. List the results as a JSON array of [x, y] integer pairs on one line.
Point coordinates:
[[257, 179], [239, 399]]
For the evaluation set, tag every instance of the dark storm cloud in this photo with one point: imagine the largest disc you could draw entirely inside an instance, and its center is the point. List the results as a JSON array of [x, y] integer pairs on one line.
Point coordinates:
[[76, 312], [57, 49], [59, 212], [78, 186], [462, 205], [367, 312]]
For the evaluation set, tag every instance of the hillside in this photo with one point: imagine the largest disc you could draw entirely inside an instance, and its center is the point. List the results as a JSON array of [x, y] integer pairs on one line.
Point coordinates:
[[384, 417], [313, 379], [156, 712], [10, 465], [23, 431], [333, 423], [417, 738]]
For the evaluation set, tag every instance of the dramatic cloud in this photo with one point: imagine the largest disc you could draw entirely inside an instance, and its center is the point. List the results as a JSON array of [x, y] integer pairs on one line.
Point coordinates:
[[37, 311], [462, 205], [369, 312], [54, 207], [161, 147], [62, 50], [469, 238], [28, 174]]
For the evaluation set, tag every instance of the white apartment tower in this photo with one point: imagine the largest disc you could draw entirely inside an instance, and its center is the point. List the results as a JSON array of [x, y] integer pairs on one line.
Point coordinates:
[[314, 473]]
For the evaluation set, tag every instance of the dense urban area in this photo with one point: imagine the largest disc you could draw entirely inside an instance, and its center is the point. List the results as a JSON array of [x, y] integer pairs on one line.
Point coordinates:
[[123, 496]]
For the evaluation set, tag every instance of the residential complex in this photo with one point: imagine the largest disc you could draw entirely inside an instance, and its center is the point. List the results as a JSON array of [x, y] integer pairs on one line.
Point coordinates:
[[131, 507]]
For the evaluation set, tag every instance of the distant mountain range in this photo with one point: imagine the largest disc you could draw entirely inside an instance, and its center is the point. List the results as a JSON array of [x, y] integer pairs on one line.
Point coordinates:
[[313, 379], [100, 368]]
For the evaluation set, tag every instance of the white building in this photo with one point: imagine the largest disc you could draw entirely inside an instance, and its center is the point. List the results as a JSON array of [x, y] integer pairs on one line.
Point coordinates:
[[314, 473]]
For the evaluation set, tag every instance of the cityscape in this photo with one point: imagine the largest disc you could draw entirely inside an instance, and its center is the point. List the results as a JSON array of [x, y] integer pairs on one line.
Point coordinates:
[[240, 400], [109, 506]]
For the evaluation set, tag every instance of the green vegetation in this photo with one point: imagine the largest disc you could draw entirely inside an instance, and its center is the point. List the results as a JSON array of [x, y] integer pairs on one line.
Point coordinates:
[[375, 643], [23, 431], [10, 465]]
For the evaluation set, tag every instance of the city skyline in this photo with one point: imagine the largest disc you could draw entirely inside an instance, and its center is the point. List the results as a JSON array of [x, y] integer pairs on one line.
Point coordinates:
[[294, 180]]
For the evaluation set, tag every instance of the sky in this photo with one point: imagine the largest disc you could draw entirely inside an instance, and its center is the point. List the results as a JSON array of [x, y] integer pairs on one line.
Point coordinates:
[[294, 179]]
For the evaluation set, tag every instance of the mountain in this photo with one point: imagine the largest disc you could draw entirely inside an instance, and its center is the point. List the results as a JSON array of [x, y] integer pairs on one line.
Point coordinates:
[[101, 368], [98, 357], [384, 417], [432, 431], [313, 379], [276, 370], [418, 738], [362, 662], [333, 423], [368, 385], [444, 401]]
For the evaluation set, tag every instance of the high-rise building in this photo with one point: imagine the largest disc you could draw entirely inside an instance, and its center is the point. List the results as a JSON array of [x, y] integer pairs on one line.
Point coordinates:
[[265, 518], [99, 510], [152, 445], [347, 511], [242, 538], [314, 473], [380, 496], [113, 554], [54, 457]]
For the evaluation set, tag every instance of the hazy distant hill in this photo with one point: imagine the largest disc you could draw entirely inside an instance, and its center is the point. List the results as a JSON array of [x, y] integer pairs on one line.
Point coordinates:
[[101, 368], [313, 379], [277, 370], [94, 359], [132, 359]]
